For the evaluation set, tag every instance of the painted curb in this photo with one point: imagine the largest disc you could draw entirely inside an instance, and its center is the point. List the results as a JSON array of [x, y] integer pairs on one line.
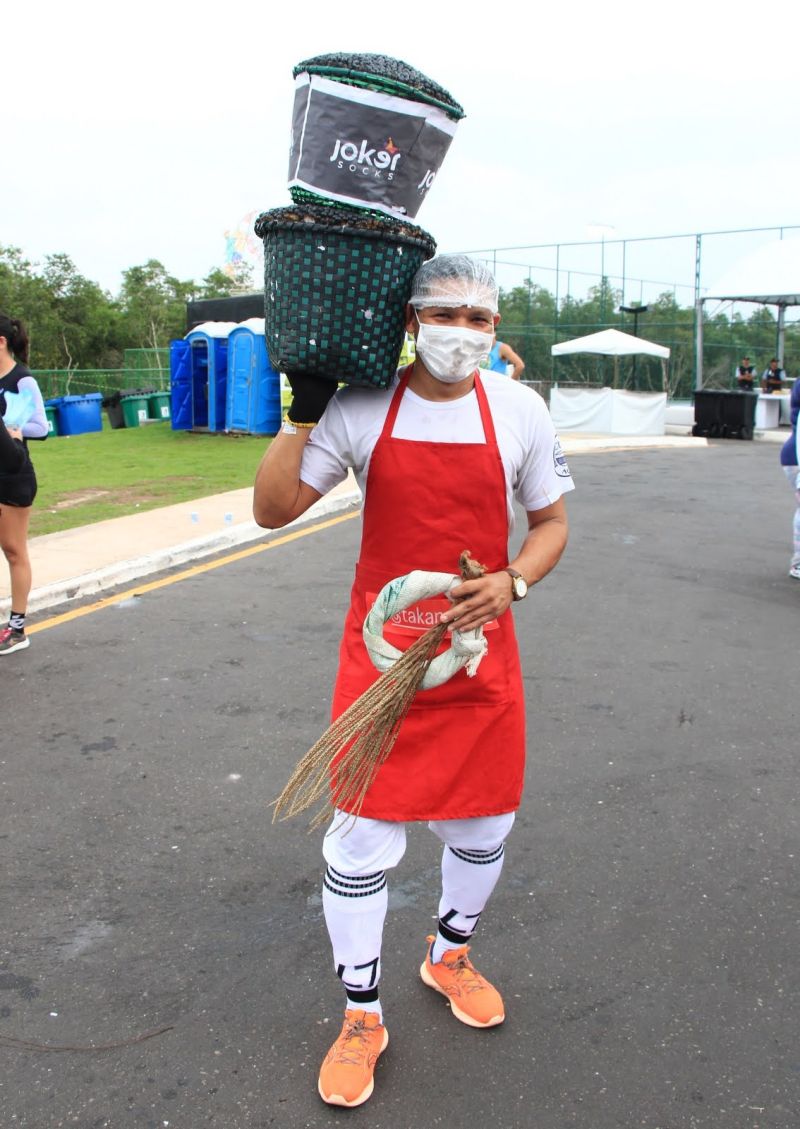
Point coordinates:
[[125, 572]]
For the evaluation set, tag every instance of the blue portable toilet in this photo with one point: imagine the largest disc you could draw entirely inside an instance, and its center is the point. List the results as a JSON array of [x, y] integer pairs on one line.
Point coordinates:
[[198, 377], [253, 403], [180, 386]]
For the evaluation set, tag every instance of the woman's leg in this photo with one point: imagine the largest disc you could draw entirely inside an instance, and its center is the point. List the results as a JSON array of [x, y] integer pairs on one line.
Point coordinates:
[[793, 475], [14, 522]]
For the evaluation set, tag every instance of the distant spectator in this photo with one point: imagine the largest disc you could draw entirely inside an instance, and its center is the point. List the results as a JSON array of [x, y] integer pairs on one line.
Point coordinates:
[[24, 418], [790, 461], [744, 375], [773, 377], [407, 353], [501, 356]]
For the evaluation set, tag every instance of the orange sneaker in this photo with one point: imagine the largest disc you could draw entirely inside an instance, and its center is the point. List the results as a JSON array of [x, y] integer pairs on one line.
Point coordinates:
[[346, 1075], [472, 998]]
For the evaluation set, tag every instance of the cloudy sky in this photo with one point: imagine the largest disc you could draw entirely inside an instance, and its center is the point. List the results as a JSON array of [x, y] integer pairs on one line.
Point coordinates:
[[150, 130]]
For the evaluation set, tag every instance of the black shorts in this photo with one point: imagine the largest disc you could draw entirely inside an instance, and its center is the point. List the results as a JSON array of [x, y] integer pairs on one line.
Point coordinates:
[[19, 488]]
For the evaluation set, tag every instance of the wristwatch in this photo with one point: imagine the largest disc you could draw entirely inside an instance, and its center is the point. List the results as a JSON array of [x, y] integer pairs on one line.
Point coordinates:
[[519, 585]]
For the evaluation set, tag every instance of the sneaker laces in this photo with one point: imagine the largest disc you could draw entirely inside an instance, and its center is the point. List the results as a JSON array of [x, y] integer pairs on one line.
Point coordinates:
[[465, 971], [353, 1043]]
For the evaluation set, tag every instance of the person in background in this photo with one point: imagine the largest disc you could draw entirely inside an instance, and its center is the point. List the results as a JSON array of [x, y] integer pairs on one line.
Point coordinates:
[[772, 377], [744, 375], [22, 407], [501, 356], [407, 352], [790, 461]]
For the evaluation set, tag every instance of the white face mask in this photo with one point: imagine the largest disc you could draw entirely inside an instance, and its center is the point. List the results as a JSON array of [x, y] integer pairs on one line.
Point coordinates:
[[451, 353]]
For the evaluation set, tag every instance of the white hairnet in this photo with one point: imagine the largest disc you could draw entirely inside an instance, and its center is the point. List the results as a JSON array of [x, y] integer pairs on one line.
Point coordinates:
[[454, 280]]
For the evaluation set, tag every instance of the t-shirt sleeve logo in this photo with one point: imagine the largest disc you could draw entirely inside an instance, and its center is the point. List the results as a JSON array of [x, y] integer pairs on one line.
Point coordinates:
[[560, 460]]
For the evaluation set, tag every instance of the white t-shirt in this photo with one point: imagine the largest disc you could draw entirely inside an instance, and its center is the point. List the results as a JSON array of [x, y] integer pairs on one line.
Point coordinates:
[[535, 468]]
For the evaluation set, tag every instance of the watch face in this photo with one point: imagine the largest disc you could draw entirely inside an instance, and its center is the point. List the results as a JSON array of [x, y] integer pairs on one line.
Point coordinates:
[[520, 587]]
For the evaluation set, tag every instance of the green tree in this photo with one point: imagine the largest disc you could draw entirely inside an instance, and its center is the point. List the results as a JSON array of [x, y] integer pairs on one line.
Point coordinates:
[[219, 284], [72, 322], [23, 295], [529, 317], [85, 322], [153, 304]]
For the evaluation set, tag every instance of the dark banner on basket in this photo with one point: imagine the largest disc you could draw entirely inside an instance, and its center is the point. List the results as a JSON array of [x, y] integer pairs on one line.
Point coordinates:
[[365, 148]]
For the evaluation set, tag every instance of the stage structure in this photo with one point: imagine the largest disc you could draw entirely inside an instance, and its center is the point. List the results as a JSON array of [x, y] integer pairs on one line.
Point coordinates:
[[770, 276]]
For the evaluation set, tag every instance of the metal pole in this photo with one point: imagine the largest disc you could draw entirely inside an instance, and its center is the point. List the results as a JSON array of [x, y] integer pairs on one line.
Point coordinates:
[[637, 311], [698, 344], [600, 365], [698, 318], [781, 336], [558, 299]]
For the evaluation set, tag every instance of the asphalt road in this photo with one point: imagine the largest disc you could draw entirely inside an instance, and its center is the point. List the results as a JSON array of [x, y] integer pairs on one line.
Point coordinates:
[[163, 959]]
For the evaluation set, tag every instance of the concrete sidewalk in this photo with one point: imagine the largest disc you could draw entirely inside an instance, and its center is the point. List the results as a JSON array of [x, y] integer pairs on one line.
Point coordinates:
[[81, 562]]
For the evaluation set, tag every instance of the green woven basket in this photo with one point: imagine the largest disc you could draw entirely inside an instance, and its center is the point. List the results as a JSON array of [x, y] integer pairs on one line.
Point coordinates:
[[382, 72], [336, 283]]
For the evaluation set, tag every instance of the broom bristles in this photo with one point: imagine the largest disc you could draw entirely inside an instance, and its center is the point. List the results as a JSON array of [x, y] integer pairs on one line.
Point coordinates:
[[341, 766], [366, 731]]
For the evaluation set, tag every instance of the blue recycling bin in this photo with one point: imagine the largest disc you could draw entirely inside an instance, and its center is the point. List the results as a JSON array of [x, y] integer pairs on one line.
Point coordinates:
[[77, 415]]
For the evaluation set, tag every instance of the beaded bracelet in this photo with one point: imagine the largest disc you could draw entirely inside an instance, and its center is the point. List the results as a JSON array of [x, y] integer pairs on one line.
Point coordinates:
[[290, 427]]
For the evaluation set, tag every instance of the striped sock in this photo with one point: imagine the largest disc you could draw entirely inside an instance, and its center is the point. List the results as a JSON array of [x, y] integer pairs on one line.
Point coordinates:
[[355, 910], [468, 879]]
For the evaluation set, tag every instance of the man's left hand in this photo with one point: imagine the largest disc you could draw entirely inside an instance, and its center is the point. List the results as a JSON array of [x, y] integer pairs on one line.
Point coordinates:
[[477, 602]]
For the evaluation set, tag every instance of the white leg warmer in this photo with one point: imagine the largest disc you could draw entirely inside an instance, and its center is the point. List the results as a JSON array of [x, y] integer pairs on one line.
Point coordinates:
[[472, 862], [355, 898]]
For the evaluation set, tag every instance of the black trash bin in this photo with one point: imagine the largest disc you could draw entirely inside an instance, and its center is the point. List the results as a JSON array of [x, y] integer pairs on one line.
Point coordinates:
[[708, 413], [113, 407], [738, 414], [115, 403]]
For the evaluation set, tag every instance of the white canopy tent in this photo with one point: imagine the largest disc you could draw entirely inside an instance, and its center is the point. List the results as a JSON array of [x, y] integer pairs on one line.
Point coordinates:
[[610, 343], [768, 276], [608, 409]]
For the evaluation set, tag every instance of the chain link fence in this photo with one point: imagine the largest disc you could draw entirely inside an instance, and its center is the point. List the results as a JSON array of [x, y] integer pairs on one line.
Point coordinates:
[[143, 368]]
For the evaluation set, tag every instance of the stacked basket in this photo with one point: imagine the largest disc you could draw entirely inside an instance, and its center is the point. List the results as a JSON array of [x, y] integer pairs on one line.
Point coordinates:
[[369, 134]]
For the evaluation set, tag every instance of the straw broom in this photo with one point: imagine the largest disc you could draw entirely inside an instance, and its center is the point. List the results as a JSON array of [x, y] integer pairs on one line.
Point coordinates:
[[340, 767]]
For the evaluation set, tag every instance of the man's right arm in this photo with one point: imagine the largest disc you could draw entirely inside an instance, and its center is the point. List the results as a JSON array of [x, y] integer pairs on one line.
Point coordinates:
[[279, 495]]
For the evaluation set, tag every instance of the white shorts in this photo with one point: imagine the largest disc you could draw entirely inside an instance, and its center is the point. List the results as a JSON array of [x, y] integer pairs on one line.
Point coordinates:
[[365, 846]]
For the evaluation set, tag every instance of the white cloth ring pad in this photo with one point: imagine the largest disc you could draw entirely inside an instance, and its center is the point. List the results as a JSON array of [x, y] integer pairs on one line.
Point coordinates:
[[467, 648]]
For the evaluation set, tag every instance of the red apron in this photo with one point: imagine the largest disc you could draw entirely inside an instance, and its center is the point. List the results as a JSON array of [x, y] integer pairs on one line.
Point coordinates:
[[460, 752]]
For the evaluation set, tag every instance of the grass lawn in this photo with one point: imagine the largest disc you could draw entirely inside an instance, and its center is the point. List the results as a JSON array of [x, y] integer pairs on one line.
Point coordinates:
[[110, 473]]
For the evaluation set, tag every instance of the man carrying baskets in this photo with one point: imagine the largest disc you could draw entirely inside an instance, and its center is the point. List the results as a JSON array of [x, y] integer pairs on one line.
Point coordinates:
[[440, 457]]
